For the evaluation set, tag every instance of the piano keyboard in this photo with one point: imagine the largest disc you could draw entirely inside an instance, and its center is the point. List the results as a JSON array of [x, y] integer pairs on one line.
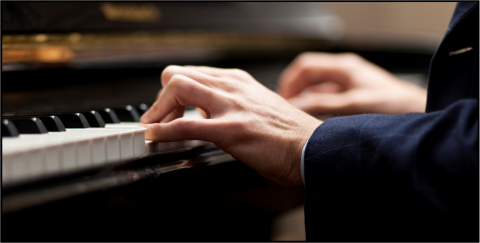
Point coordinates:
[[33, 156]]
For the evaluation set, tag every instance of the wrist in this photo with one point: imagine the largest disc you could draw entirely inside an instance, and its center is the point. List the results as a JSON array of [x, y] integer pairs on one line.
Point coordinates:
[[295, 176]]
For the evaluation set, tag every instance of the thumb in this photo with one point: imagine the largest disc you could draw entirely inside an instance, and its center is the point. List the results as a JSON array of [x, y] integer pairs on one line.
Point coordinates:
[[185, 129]]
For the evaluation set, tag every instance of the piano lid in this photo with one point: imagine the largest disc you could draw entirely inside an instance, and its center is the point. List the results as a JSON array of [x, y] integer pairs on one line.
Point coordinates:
[[101, 33], [300, 19]]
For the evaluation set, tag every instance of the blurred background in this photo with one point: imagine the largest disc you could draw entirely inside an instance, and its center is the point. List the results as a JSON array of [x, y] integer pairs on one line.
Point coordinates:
[[65, 56]]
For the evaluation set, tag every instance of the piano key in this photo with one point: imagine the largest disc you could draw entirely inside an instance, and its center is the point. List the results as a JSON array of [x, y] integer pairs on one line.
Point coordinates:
[[26, 158], [52, 123], [9, 129], [127, 114], [142, 108], [6, 168], [34, 155], [74, 120], [94, 119], [108, 115], [99, 150], [19, 168], [105, 143], [36, 162], [53, 160], [29, 125]]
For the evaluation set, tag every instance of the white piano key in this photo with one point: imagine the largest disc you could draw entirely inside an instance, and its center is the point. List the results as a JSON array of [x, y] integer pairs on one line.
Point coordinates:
[[68, 156], [84, 154], [36, 162], [113, 139], [53, 159], [33, 155], [123, 125], [139, 143], [99, 150], [194, 114], [126, 145], [6, 168], [28, 158], [113, 147], [19, 166], [132, 140]]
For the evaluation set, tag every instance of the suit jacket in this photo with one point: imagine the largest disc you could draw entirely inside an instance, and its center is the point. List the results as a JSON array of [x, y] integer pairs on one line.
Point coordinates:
[[410, 177]]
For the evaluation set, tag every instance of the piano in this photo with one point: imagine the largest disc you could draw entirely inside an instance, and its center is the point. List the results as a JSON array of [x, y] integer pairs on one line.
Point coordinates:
[[76, 76]]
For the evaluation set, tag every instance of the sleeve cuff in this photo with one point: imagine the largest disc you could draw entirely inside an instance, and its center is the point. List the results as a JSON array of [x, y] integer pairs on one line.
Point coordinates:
[[302, 160]]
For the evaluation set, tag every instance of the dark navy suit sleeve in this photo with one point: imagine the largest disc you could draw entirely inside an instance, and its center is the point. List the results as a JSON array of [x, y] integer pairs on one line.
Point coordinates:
[[411, 177], [394, 177]]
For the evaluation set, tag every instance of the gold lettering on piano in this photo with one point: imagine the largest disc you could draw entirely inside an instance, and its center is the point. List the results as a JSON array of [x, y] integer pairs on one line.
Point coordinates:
[[130, 12]]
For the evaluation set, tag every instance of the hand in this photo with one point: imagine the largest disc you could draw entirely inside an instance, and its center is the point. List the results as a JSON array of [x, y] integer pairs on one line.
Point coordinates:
[[244, 118], [347, 84]]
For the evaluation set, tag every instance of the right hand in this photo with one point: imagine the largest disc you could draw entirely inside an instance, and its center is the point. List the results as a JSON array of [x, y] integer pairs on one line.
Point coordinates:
[[244, 118], [347, 84]]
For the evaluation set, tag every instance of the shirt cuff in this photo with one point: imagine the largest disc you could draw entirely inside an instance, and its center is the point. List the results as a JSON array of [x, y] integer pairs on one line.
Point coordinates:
[[301, 163]]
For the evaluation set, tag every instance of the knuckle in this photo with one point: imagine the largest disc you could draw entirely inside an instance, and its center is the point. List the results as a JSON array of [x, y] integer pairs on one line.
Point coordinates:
[[302, 59], [167, 73], [239, 73], [305, 57], [177, 80], [350, 58]]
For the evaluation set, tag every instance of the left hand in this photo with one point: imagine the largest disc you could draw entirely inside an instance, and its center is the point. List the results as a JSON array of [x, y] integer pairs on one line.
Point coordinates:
[[244, 118]]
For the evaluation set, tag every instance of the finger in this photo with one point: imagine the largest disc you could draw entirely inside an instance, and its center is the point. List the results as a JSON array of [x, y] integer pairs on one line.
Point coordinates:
[[313, 69], [159, 92], [200, 77], [182, 91], [186, 129], [202, 112], [323, 103], [175, 114], [221, 72], [327, 87]]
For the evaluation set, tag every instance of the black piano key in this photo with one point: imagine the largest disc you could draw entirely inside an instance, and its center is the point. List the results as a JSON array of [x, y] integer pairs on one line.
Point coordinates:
[[8, 129], [52, 123], [142, 108], [108, 115], [189, 108], [74, 120], [94, 119], [29, 125], [127, 114]]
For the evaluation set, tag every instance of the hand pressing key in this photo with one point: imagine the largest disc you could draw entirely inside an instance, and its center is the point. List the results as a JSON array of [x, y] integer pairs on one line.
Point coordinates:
[[244, 118]]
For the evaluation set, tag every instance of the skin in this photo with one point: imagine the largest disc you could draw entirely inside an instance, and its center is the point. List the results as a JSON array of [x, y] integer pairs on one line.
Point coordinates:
[[347, 84], [259, 127], [244, 118]]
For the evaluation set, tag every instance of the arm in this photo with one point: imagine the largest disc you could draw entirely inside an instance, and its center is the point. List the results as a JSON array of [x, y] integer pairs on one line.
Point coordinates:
[[420, 169]]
